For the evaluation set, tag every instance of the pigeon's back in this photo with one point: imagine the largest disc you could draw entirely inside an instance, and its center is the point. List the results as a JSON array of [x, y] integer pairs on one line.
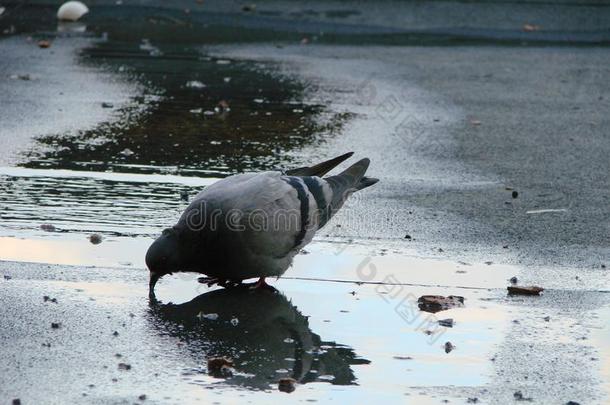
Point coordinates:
[[245, 223]]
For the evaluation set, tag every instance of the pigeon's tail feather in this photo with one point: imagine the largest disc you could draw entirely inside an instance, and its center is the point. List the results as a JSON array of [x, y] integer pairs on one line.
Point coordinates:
[[366, 182], [350, 180], [353, 174], [321, 168]]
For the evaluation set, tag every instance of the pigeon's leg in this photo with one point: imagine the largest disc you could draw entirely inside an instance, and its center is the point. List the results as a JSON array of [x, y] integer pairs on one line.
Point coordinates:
[[210, 281], [261, 283]]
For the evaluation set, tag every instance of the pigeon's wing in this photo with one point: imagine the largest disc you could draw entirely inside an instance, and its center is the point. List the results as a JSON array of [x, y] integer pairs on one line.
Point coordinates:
[[278, 214], [267, 213]]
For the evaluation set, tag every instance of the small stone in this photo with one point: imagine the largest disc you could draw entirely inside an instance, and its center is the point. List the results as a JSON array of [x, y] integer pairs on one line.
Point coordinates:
[[16, 401], [514, 280], [234, 321], [95, 238], [115, 333], [43, 43], [403, 357], [195, 84], [603, 266], [55, 325], [48, 227], [248, 7], [547, 318], [107, 105], [473, 400], [124, 366], [287, 385], [518, 395], [515, 194], [126, 152], [449, 347], [7, 277], [142, 397], [408, 237]]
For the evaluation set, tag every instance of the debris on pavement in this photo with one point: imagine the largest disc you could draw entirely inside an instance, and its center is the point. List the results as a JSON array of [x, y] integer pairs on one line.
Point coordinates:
[[437, 303], [44, 43], [48, 227], [515, 194], [195, 84], [71, 11], [530, 27], [95, 238], [211, 317], [514, 280], [25, 77], [126, 152], [448, 323], [220, 367], [47, 298], [124, 366], [107, 105], [287, 384], [403, 357], [55, 325], [518, 395], [533, 290]]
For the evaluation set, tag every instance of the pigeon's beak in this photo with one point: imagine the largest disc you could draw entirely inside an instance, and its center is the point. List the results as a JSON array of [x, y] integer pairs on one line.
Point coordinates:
[[154, 277]]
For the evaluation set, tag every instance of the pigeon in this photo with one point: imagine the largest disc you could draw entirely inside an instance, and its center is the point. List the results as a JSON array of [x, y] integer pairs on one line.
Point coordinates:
[[251, 225]]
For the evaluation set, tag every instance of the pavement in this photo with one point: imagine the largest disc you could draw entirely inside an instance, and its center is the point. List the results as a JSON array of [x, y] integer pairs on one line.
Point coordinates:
[[491, 150]]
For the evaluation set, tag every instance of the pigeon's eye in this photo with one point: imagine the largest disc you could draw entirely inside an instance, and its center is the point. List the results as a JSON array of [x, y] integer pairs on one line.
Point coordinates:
[[167, 231]]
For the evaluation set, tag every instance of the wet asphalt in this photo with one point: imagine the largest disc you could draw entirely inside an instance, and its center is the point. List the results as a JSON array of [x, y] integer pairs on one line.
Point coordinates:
[[489, 138]]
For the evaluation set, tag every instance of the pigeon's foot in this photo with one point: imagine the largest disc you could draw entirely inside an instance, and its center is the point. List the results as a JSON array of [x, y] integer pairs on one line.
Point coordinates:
[[222, 282]]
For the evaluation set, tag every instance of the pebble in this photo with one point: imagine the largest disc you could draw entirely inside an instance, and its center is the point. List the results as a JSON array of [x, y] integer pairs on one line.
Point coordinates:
[[515, 194], [48, 227], [449, 347], [95, 238], [448, 323], [287, 385], [124, 366]]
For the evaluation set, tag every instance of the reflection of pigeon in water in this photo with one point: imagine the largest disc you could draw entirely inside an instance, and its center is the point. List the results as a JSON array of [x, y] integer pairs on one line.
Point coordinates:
[[265, 345], [252, 225]]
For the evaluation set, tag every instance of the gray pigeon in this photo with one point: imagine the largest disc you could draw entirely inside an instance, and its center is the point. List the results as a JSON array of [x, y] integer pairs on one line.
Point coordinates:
[[252, 225]]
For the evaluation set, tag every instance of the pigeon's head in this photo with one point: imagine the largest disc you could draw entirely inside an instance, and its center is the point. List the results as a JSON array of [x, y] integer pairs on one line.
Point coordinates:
[[163, 256]]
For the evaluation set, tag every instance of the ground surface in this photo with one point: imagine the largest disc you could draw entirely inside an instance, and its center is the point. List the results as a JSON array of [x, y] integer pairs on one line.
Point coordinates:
[[108, 129]]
